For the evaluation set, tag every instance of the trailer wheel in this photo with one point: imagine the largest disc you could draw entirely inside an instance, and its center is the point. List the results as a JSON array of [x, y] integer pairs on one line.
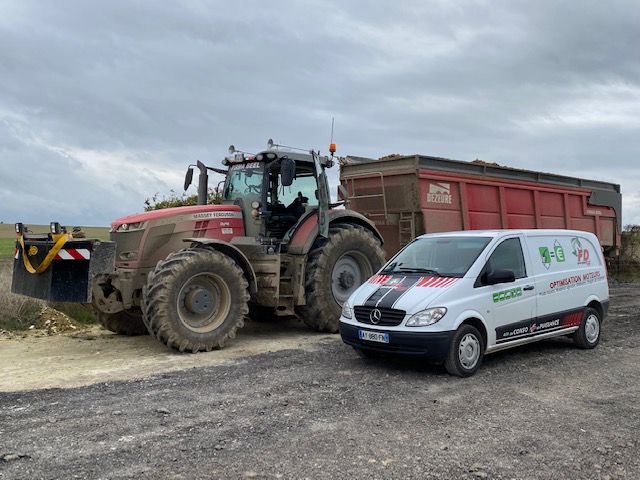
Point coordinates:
[[336, 267], [125, 322], [195, 300], [588, 334]]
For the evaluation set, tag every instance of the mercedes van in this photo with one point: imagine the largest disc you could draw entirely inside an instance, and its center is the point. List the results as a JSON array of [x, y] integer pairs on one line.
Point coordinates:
[[454, 297]]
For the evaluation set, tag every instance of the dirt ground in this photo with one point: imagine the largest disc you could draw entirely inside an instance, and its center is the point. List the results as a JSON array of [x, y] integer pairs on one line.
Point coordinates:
[[55, 355], [283, 402]]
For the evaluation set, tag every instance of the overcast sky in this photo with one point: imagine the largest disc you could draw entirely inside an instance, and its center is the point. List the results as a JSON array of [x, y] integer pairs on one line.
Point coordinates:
[[105, 103]]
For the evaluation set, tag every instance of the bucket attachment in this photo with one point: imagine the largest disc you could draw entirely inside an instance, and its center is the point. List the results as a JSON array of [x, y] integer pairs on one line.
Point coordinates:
[[59, 268]]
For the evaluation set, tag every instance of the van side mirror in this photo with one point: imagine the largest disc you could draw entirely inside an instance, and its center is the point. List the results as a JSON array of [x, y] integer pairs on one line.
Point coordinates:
[[188, 178], [287, 171], [501, 275]]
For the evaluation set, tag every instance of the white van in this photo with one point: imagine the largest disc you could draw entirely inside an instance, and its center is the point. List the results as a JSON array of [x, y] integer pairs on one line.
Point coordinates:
[[457, 296]]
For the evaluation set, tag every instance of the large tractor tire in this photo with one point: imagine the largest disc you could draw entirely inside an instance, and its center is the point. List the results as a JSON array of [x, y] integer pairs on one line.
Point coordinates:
[[126, 322], [195, 300], [336, 267]]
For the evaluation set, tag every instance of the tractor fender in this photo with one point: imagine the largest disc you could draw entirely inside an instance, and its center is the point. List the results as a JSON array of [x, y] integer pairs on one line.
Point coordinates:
[[307, 231], [232, 252]]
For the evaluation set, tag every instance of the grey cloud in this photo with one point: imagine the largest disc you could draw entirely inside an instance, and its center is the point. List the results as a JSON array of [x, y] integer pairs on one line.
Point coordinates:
[[155, 86]]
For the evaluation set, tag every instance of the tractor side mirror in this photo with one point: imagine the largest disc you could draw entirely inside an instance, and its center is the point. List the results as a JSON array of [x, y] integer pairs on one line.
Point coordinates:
[[188, 178], [287, 171]]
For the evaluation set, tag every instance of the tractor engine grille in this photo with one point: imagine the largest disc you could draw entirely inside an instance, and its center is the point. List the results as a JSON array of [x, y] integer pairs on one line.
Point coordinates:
[[390, 317]]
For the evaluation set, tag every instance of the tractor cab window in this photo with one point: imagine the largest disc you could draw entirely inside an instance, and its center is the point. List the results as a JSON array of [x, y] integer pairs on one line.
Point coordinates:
[[303, 188], [287, 204], [244, 182], [294, 199]]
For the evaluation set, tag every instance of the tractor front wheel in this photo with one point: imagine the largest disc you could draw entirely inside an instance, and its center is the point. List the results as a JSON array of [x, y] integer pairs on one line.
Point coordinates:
[[195, 300], [336, 267]]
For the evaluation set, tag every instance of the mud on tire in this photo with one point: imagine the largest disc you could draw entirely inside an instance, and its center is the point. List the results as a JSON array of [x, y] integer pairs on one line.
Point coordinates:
[[336, 266], [126, 322], [195, 300]]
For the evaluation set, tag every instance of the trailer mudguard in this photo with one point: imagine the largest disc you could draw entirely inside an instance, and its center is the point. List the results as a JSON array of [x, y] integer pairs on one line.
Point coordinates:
[[60, 271]]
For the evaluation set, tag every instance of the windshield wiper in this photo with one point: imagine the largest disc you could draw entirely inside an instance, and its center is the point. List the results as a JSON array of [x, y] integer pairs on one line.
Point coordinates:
[[413, 270]]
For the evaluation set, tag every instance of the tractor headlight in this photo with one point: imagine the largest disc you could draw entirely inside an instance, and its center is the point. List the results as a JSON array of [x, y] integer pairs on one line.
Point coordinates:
[[426, 317]]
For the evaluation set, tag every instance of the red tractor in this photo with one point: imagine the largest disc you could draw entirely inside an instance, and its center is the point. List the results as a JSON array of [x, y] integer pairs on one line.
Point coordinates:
[[190, 275]]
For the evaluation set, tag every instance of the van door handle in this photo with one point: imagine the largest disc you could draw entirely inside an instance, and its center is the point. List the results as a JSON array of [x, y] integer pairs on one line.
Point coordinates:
[[528, 287]]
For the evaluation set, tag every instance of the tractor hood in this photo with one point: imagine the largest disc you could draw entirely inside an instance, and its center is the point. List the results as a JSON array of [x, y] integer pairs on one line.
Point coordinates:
[[179, 214]]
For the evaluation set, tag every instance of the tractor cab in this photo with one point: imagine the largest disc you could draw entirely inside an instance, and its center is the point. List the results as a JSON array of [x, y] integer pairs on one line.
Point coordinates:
[[276, 189]]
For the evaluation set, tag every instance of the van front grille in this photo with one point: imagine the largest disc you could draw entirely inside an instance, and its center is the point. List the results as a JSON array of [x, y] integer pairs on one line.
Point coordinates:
[[390, 317]]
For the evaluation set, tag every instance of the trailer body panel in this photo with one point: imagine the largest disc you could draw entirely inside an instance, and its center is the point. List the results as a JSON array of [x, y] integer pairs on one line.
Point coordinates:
[[409, 196]]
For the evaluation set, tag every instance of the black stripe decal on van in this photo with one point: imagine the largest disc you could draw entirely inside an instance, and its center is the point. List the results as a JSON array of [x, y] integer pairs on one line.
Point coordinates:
[[532, 328], [389, 293]]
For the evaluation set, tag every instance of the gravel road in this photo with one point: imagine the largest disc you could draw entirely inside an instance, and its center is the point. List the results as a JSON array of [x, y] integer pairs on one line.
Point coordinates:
[[313, 409]]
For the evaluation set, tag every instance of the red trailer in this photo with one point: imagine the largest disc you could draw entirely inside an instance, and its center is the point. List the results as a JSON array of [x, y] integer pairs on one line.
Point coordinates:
[[410, 195]]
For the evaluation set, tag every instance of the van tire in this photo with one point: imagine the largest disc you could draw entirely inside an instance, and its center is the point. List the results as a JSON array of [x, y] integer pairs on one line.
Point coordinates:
[[465, 352], [588, 334]]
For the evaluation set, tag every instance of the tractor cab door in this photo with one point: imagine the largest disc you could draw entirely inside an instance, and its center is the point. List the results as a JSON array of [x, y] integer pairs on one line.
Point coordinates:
[[286, 204]]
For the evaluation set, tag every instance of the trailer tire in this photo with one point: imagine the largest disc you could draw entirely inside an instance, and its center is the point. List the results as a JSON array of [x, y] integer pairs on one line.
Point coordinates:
[[336, 267], [195, 300], [125, 322]]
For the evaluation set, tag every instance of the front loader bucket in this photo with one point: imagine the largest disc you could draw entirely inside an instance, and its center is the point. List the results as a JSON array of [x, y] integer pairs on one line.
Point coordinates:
[[66, 277]]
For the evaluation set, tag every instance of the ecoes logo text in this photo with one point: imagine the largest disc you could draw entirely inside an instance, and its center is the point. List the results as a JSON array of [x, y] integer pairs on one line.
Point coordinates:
[[507, 294]]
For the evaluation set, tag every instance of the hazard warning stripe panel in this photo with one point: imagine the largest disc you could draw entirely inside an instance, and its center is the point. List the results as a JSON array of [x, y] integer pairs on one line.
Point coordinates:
[[66, 254], [73, 254]]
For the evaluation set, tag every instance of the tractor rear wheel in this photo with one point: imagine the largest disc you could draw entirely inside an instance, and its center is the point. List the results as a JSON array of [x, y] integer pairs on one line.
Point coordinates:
[[125, 322], [195, 300], [336, 267]]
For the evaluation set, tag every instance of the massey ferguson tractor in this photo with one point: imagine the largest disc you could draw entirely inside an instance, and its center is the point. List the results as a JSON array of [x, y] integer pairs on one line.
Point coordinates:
[[190, 275]]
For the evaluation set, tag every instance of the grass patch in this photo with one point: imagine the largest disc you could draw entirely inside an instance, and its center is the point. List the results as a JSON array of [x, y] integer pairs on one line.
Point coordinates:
[[79, 312], [7, 247], [17, 312]]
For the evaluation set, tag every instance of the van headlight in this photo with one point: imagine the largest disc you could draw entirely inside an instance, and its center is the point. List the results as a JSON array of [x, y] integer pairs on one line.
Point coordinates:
[[426, 317], [347, 311]]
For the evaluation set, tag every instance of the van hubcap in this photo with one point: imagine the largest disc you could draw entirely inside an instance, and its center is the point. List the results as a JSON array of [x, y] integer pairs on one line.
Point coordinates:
[[469, 351], [591, 328]]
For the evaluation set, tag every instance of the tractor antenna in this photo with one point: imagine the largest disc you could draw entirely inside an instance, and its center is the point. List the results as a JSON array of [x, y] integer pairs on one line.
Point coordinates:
[[332, 146]]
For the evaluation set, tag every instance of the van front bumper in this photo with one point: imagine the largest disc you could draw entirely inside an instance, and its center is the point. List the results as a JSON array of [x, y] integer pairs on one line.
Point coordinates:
[[432, 345]]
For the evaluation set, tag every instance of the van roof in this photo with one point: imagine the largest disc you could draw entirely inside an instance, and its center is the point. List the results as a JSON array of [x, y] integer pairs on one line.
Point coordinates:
[[533, 232]]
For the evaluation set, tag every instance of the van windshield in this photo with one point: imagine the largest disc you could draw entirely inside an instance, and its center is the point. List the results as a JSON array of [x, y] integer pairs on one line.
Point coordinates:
[[437, 256]]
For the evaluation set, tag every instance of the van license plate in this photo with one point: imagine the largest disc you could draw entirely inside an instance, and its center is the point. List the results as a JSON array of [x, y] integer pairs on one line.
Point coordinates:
[[373, 336]]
